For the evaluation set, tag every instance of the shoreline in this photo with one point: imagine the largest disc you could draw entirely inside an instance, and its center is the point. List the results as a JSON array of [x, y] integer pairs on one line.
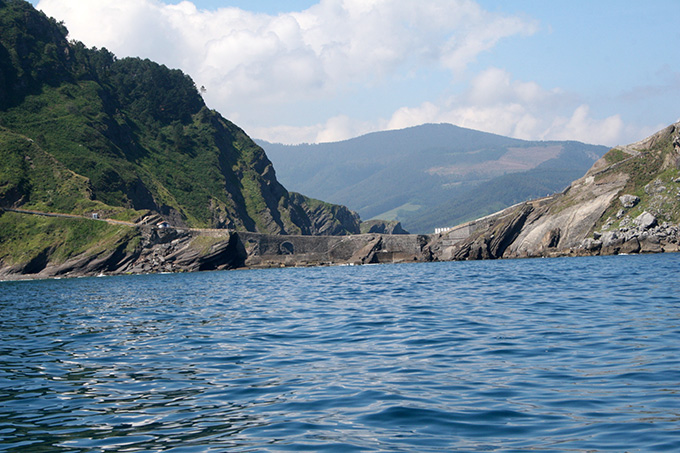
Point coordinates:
[[173, 251]]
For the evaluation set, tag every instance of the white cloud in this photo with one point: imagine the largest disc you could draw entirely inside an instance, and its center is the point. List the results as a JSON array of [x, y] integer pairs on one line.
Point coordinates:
[[260, 70], [496, 103], [291, 135], [494, 86], [581, 126], [482, 32], [335, 129], [407, 116], [248, 61]]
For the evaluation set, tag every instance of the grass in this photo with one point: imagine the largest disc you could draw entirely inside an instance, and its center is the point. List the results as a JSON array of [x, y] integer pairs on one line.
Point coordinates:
[[24, 237], [643, 170], [203, 244], [616, 155]]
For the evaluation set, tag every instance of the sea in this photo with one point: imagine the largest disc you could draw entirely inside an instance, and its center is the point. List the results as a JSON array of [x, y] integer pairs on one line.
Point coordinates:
[[538, 355]]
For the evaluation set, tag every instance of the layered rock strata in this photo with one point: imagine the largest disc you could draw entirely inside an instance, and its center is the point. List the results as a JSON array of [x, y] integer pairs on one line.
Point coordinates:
[[594, 215], [158, 250]]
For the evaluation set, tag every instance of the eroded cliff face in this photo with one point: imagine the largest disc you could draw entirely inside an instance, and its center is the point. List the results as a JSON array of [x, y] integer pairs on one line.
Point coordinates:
[[628, 202], [144, 250], [140, 250]]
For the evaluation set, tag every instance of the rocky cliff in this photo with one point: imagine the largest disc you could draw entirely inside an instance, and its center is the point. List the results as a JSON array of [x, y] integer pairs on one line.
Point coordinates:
[[628, 202], [142, 249], [383, 227]]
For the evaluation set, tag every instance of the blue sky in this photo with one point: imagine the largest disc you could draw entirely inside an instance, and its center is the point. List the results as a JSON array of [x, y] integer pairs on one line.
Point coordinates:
[[602, 72]]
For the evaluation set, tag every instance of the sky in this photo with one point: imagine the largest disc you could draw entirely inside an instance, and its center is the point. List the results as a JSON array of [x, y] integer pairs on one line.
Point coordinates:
[[307, 71]]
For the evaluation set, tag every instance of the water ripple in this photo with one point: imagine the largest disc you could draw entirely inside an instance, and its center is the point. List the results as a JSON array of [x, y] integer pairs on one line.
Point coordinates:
[[540, 355]]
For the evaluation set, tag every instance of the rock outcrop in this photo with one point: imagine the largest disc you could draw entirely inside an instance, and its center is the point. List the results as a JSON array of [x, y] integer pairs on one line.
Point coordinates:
[[143, 250], [150, 249], [628, 202]]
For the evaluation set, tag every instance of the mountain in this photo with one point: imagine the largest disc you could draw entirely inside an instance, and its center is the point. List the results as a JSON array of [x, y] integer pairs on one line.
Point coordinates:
[[432, 175], [628, 202], [82, 131]]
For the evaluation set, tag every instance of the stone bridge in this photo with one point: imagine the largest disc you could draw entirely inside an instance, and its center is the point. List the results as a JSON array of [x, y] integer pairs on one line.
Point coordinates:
[[271, 250]]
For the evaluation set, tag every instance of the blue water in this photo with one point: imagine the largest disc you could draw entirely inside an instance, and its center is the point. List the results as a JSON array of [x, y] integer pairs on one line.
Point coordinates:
[[578, 354]]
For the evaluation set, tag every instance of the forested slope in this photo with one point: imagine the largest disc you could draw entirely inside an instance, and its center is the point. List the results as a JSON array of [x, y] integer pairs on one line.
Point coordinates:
[[82, 130]]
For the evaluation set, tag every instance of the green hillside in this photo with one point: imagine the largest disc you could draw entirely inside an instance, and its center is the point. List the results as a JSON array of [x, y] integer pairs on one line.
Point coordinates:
[[84, 131], [652, 169]]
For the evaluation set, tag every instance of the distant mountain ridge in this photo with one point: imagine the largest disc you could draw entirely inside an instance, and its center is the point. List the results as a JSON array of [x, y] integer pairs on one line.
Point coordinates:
[[430, 175]]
